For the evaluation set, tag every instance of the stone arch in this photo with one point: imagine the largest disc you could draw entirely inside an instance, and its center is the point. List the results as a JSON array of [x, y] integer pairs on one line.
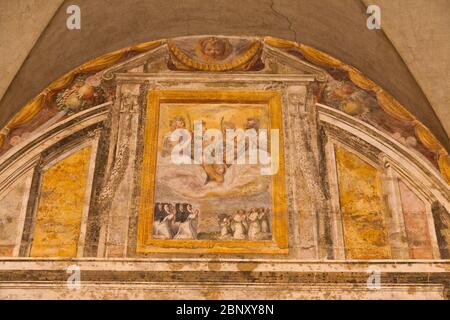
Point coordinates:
[[338, 128]]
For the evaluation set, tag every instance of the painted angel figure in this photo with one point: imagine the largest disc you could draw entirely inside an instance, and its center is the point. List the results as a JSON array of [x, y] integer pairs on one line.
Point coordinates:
[[167, 145]]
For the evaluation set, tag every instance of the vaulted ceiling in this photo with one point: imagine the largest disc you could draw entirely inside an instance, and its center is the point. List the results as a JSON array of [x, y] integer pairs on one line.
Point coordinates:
[[409, 57]]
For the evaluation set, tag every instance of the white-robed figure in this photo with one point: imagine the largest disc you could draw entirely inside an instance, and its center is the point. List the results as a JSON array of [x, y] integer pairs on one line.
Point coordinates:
[[243, 215], [162, 223], [238, 227], [264, 216], [188, 223], [254, 229]]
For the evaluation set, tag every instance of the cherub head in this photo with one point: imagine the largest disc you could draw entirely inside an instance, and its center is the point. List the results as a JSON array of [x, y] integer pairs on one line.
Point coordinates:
[[177, 123], [343, 90], [214, 48]]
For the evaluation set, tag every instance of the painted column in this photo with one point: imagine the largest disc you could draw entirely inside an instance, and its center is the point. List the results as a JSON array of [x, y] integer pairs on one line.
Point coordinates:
[[120, 180], [308, 201]]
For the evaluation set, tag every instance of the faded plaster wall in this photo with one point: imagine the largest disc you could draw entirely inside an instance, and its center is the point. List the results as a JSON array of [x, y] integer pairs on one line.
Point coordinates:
[[420, 31], [21, 24]]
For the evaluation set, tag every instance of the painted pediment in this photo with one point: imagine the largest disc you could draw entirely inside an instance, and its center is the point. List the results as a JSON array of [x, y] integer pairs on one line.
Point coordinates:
[[217, 55]]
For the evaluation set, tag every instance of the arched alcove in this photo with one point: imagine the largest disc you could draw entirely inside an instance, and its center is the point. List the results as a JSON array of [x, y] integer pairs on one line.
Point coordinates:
[[87, 178]]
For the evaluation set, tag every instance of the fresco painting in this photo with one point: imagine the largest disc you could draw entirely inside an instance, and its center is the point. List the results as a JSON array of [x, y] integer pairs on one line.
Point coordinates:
[[218, 201], [92, 173]]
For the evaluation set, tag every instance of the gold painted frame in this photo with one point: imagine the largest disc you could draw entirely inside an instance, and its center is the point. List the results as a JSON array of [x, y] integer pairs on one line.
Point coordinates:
[[145, 243]]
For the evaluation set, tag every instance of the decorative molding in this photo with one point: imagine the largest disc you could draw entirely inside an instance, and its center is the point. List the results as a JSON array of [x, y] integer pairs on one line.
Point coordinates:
[[404, 159], [25, 155], [243, 61], [159, 53], [32, 108], [290, 65], [265, 278]]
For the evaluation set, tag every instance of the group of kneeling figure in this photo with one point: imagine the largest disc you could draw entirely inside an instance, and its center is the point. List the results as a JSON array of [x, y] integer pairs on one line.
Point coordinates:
[[177, 221], [180, 221], [252, 224]]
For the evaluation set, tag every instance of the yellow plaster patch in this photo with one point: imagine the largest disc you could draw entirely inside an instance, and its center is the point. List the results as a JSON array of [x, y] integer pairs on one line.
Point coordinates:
[[60, 209], [362, 208]]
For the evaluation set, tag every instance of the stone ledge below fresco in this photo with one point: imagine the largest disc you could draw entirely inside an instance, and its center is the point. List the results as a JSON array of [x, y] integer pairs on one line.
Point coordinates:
[[169, 291], [223, 279]]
